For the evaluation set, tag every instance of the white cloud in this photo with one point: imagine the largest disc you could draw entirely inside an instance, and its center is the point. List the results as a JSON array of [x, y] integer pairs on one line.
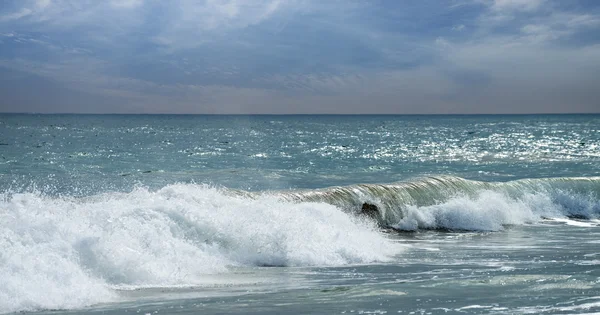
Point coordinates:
[[558, 25], [193, 22], [516, 5], [42, 4], [460, 27], [505, 11], [541, 33], [129, 4], [31, 11], [16, 15], [543, 20], [581, 20]]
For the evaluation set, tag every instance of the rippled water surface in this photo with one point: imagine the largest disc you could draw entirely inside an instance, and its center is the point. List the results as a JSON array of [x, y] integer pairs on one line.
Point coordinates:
[[91, 153]]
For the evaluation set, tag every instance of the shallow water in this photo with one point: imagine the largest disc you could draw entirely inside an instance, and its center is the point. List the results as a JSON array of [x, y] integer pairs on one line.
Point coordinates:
[[230, 214], [517, 270]]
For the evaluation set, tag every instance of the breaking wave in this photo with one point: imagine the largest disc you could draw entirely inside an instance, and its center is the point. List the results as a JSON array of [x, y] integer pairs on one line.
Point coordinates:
[[68, 252], [454, 203], [64, 252]]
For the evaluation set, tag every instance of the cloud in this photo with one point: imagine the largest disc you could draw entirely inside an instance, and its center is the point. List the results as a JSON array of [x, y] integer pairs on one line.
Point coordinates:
[[541, 33], [194, 23], [42, 4], [558, 25], [16, 15], [129, 4], [508, 11], [30, 7], [460, 27], [536, 21], [516, 5], [269, 56]]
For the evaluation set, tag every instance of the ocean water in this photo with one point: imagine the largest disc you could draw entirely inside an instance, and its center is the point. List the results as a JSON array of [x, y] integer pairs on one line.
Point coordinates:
[[161, 214]]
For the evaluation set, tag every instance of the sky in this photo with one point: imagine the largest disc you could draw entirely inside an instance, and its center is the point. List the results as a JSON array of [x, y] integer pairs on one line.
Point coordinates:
[[300, 56]]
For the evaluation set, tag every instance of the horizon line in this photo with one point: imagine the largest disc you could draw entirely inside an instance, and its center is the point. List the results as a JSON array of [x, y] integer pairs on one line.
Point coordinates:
[[304, 114]]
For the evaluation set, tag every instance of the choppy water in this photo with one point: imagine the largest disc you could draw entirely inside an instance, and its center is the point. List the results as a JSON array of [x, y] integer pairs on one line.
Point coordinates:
[[262, 214]]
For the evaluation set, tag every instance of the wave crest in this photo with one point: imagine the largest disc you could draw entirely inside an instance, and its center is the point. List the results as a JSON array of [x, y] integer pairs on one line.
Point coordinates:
[[454, 203], [67, 252]]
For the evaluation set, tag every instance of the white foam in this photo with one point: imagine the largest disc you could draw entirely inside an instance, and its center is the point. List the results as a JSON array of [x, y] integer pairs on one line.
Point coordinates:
[[475, 306], [60, 253], [487, 211], [574, 222]]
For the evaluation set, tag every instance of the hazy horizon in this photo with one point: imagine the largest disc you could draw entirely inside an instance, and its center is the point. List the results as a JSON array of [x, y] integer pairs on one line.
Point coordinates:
[[296, 114]]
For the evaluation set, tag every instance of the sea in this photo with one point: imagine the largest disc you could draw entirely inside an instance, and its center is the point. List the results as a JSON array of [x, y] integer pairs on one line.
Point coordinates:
[[299, 214]]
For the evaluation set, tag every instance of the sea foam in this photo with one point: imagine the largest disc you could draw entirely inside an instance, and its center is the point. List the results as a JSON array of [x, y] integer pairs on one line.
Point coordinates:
[[64, 252], [490, 210]]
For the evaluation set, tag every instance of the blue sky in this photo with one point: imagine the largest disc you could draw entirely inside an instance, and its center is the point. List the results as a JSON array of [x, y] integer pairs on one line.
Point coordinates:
[[300, 56]]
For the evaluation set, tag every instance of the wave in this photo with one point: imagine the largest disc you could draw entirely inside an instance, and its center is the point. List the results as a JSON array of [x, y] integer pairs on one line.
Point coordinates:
[[454, 203], [61, 252], [65, 252]]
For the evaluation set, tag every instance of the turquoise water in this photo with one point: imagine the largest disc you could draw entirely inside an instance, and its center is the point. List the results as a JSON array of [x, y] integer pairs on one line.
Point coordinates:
[[264, 214]]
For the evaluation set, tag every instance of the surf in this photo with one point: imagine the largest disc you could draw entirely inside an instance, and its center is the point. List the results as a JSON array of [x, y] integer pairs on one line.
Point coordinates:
[[63, 252], [454, 203]]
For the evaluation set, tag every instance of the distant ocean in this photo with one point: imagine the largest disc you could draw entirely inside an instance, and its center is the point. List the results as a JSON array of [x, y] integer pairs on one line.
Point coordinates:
[[186, 214]]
